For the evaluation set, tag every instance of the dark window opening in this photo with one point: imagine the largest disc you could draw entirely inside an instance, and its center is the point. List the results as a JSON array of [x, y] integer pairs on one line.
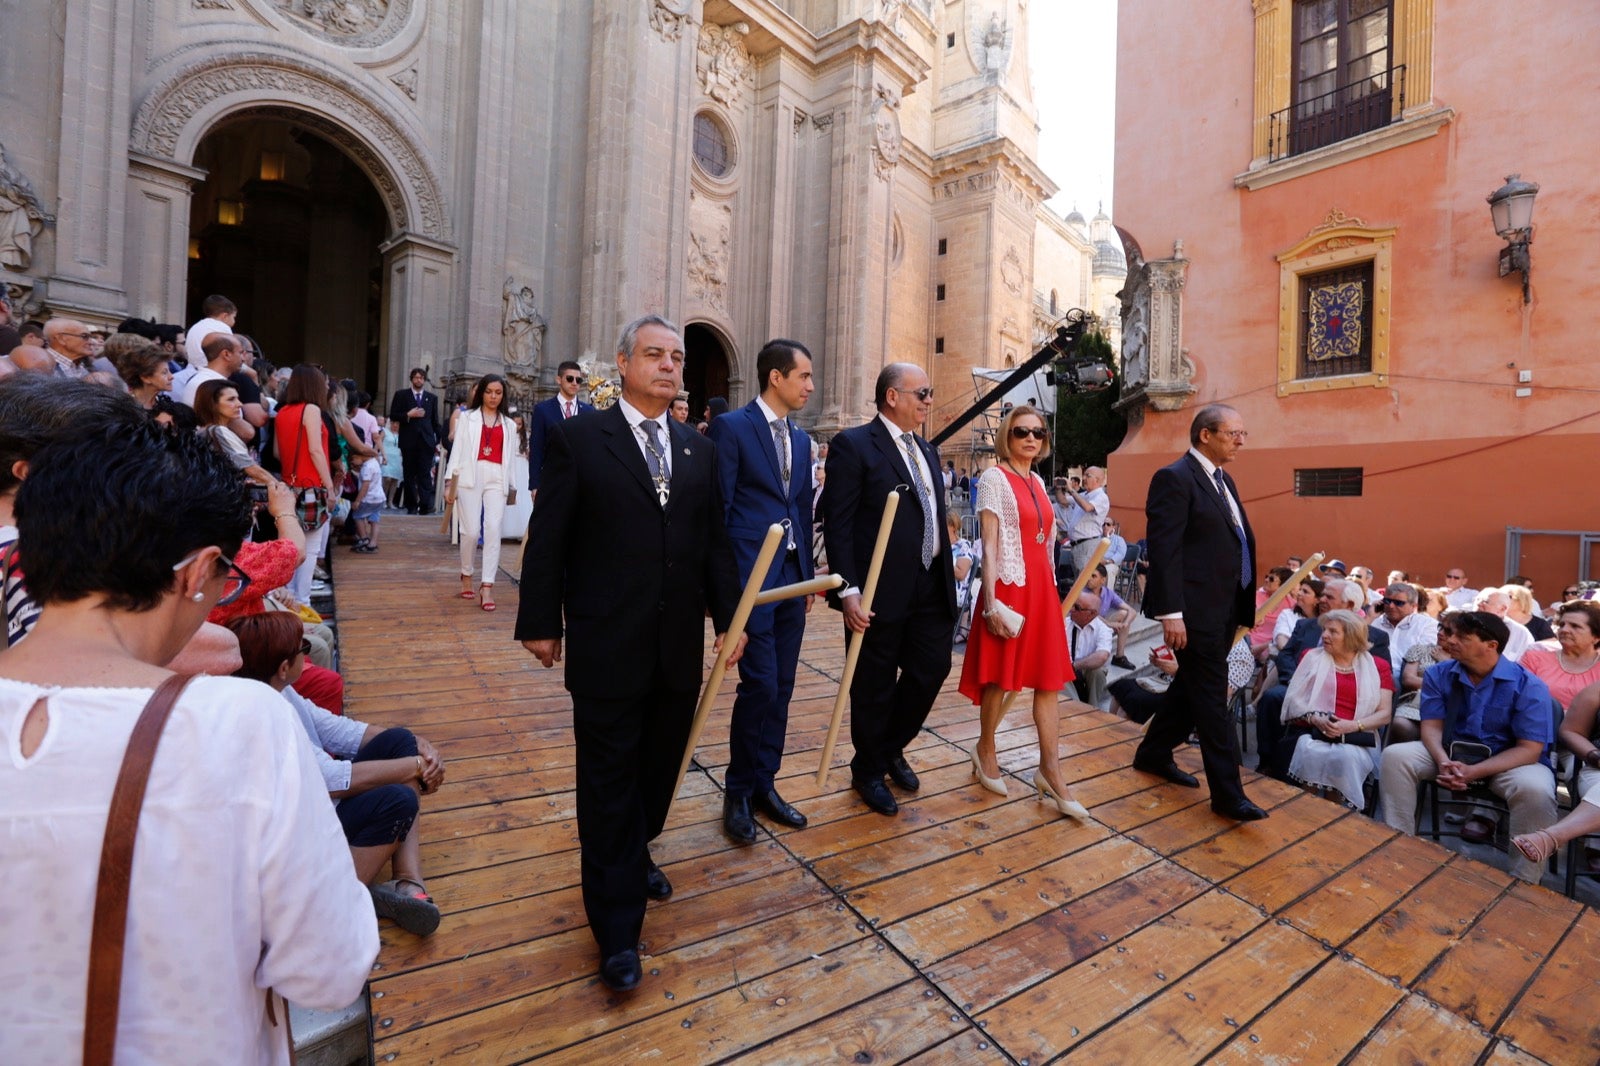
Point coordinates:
[[949, 40], [710, 146], [944, 246], [938, 346], [1335, 322], [938, 294], [1344, 80], [1328, 481]]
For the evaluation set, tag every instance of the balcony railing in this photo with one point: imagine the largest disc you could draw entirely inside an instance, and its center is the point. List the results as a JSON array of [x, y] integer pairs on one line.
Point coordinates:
[[1346, 112]]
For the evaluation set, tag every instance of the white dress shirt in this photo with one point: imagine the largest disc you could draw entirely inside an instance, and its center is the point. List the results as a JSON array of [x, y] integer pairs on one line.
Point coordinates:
[[1413, 629], [1233, 507], [1084, 641]]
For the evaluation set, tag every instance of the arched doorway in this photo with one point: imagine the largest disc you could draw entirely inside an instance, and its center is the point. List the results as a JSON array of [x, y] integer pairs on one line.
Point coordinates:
[[287, 226], [706, 365]]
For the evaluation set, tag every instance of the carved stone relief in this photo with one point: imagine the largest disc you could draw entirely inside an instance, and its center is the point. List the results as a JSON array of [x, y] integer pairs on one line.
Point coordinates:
[[710, 252], [22, 216], [889, 13], [885, 132], [171, 106], [521, 326], [723, 64], [669, 16], [1011, 271], [356, 23], [213, 5], [406, 80]]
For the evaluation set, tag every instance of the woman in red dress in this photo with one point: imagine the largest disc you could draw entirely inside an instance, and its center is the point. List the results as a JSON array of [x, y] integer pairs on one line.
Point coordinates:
[[1017, 524]]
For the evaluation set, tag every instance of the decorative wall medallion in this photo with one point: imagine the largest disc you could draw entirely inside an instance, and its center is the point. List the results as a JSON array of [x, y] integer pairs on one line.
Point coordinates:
[[723, 64], [354, 23], [521, 326], [22, 216], [1011, 271], [407, 81], [668, 17], [885, 132]]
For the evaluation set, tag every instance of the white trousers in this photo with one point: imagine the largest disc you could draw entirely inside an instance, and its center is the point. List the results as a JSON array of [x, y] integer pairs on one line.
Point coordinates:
[[1530, 792], [486, 499], [316, 544]]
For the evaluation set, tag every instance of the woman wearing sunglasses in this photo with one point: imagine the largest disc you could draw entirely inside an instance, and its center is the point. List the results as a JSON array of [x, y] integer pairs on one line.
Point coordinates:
[[1017, 525], [240, 880]]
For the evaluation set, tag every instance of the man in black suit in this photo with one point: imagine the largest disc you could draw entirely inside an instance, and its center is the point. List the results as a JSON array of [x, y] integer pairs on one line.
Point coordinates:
[[1201, 588], [416, 412], [905, 654], [552, 412], [627, 541]]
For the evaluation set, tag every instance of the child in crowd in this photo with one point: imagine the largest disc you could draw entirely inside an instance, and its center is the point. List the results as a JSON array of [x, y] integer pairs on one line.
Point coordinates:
[[370, 498]]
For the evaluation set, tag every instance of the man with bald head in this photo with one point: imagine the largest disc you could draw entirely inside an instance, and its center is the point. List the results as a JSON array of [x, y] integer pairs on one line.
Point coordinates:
[[31, 357], [906, 637], [1083, 513], [67, 341]]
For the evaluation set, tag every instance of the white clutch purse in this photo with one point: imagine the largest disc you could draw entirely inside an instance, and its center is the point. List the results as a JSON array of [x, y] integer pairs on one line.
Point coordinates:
[[1009, 621]]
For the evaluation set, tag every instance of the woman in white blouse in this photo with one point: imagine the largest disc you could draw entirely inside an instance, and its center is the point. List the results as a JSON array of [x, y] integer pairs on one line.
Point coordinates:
[[1022, 642], [241, 881], [478, 477], [216, 406]]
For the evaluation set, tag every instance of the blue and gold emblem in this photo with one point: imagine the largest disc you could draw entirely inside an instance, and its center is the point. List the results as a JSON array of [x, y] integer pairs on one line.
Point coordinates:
[[1334, 331]]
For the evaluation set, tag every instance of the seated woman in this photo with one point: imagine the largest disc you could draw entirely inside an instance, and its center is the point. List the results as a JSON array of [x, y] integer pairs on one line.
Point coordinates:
[[240, 880], [1574, 664], [1339, 697], [375, 774], [216, 407], [1584, 820]]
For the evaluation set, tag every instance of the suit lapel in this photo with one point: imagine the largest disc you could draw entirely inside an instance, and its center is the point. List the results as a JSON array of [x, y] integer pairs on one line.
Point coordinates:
[[621, 442], [1209, 487], [896, 455], [764, 441]]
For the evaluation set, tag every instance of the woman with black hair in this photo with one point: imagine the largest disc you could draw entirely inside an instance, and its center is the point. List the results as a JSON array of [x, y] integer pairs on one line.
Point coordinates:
[[241, 879], [477, 479]]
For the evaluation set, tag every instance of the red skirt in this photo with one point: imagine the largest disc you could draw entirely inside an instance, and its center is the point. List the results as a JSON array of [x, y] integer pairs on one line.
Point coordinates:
[[1037, 657]]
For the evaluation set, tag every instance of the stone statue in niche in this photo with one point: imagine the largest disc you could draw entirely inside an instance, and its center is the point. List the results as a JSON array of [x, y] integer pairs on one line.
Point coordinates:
[[990, 46], [22, 216], [521, 326]]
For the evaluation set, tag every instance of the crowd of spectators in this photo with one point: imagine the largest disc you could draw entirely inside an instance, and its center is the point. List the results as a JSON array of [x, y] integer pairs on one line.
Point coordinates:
[[148, 511]]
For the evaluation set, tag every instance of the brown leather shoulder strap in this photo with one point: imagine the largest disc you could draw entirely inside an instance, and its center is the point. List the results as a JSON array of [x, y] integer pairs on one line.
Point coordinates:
[[116, 868]]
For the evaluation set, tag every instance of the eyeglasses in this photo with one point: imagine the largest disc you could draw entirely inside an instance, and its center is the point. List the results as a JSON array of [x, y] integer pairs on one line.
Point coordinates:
[[79, 336], [237, 580], [1079, 609], [924, 394], [1455, 577], [1236, 434], [1569, 593], [571, 379], [1024, 432]]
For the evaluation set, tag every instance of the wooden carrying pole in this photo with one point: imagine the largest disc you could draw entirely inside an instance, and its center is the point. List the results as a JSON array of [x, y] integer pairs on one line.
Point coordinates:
[[825, 583], [1066, 604], [730, 640], [853, 653], [1283, 592]]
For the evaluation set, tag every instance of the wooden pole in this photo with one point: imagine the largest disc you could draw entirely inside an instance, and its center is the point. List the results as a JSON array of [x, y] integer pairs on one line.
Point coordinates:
[[825, 583], [853, 653], [730, 640], [1066, 604], [1283, 592]]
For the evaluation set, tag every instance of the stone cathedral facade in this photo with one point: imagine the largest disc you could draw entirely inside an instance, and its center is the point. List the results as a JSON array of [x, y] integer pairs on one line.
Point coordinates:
[[501, 184]]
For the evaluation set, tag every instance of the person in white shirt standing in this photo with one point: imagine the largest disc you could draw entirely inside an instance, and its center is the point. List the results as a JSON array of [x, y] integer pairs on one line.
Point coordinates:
[[220, 316], [1085, 515]]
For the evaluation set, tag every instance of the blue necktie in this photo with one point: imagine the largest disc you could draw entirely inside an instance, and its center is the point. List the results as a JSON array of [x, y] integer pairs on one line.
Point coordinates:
[[1238, 531]]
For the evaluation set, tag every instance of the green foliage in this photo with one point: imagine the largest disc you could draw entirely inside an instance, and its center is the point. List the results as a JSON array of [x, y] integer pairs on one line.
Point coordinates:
[[1088, 430]]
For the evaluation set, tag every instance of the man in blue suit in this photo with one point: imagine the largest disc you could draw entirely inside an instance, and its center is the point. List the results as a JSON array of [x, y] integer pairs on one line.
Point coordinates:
[[552, 412], [764, 470]]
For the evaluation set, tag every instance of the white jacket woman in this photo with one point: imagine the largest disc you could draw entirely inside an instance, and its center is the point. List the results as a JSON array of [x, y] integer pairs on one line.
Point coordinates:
[[478, 478]]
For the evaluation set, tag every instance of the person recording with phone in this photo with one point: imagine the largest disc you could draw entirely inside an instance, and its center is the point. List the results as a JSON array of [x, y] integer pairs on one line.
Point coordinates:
[[1484, 719]]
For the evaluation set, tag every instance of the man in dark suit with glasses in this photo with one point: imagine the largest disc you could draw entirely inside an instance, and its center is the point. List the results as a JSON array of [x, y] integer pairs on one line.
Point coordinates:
[[552, 412]]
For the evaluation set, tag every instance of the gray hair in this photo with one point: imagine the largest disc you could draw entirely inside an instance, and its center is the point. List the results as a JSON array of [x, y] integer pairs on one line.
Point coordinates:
[[1209, 417], [1355, 628], [630, 332], [1401, 590], [1347, 591]]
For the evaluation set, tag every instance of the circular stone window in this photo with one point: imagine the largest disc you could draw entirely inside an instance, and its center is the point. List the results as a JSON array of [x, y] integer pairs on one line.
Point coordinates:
[[712, 152]]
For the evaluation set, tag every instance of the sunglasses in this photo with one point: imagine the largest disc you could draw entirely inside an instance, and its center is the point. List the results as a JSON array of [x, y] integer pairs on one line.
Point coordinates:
[[571, 379], [1569, 593], [1388, 602], [924, 394], [1024, 432]]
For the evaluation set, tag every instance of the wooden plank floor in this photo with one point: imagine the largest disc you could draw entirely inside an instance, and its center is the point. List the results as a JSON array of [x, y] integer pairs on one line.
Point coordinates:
[[972, 928]]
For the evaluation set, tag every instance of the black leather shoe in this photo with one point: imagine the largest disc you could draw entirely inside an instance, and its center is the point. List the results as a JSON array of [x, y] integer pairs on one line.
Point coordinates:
[[736, 820], [656, 885], [622, 972], [773, 806], [1242, 811], [875, 794], [1168, 770], [900, 773]]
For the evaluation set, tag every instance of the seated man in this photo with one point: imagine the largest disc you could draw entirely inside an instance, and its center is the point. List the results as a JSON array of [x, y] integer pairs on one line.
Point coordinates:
[[1497, 603], [1114, 612], [1090, 640], [1484, 718], [1405, 625]]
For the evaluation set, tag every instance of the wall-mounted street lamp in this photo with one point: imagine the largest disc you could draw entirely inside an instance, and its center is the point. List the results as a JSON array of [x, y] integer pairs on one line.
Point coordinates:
[[1511, 207]]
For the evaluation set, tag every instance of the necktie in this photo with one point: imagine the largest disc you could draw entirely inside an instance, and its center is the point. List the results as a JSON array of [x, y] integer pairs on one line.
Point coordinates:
[[1076, 630], [930, 537], [566, 409], [654, 458], [780, 438], [1238, 531]]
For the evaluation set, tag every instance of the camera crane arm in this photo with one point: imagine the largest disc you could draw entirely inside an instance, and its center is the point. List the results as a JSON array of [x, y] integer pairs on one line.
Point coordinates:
[[1060, 347]]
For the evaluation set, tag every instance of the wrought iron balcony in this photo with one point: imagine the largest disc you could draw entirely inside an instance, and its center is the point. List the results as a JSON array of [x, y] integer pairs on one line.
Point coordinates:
[[1346, 112]]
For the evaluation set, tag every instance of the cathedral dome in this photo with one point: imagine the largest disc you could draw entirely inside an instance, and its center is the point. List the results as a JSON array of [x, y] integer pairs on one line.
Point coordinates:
[[1075, 218], [1109, 260]]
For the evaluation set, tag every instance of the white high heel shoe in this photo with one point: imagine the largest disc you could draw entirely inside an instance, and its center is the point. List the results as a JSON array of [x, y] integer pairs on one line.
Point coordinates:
[[1068, 807], [996, 785]]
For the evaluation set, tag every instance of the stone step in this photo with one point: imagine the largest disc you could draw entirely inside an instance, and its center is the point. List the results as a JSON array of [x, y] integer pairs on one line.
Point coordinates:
[[331, 1037]]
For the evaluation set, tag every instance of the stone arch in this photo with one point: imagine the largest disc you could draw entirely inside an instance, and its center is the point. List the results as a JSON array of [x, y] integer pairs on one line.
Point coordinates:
[[180, 109], [712, 366]]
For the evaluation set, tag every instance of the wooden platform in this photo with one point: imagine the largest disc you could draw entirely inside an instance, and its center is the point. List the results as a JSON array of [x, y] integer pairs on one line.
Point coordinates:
[[970, 929]]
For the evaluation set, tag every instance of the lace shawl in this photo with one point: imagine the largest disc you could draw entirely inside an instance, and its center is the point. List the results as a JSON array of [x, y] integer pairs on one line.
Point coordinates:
[[995, 495]]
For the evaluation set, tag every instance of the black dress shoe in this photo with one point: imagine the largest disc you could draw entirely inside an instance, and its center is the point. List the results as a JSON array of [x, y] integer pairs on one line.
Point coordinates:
[[773, 806], [622, 972], [900, 773], [656, 885], [875, 794], [1168, 770], [1123, 662], [1242, 811], [736, 820]]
